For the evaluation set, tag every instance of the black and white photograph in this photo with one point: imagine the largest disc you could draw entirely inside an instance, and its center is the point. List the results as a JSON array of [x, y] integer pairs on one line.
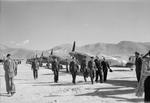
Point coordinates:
[[74, 51]]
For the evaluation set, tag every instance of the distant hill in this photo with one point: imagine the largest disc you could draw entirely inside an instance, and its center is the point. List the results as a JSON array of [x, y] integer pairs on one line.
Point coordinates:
[[16, 52], [123, 49]]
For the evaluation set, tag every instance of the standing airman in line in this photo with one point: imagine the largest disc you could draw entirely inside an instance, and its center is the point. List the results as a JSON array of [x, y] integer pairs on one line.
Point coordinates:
[[55, 69], [9, 67], [73, 69], [91, 66]]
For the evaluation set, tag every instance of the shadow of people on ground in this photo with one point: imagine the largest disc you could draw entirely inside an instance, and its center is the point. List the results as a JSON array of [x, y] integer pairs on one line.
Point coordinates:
[[4, 95], [122, 87], [124, 83]]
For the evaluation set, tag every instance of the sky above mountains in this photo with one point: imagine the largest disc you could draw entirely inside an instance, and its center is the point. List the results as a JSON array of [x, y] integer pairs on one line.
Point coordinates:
[[43, 24]]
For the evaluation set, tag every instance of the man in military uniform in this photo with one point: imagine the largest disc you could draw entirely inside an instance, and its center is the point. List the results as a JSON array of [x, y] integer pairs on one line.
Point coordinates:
[[84, 70], [35, 68], [91, 66], [9, 67], [99, 70], [105, 67], [55, 69], [138, 65], [73, 69]]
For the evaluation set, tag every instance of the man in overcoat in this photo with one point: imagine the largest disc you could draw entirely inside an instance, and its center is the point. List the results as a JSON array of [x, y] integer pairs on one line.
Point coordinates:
[[138, 65], [73, 69], [55, 69], [91, 66], [35, 68], [9, 67]]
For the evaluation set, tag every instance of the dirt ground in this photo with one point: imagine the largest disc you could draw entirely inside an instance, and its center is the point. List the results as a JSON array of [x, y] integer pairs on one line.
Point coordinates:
[[119, 88]]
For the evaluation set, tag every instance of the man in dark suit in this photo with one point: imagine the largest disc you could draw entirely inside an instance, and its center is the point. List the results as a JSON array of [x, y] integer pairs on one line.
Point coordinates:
[[138, 65], [73, 69], [105, 67], [55, 69], [9, 67], [91, 66], [99, 70]]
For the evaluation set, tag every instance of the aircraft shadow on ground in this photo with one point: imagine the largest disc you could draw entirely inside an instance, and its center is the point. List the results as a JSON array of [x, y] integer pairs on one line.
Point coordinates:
[[116, 92]]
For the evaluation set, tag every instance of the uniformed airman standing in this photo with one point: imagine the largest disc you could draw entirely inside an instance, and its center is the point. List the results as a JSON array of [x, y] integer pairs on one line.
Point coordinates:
[[84, 70], [105, 67], [35, 68], [9, 67], [138, 65], [73, 69], [91, 66], [55, 69], [99, 70]]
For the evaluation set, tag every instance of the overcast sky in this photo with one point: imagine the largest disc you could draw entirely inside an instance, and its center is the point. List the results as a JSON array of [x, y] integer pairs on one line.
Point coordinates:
[[43, 24]]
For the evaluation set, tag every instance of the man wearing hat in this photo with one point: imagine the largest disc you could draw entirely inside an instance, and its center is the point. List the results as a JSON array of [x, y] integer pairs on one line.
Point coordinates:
[[91, 66], [138, 65], [73, 69], [105, 67], [9, 67], [55, 69], [83, 69], [35, 68], [99, 70]]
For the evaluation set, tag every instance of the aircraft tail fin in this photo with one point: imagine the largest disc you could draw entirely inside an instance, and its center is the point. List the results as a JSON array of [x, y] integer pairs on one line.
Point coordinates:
[[73, 48], [52, 52]]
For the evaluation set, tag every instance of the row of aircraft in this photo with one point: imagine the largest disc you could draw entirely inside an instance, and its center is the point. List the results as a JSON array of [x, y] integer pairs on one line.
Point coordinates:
[[79, 57]]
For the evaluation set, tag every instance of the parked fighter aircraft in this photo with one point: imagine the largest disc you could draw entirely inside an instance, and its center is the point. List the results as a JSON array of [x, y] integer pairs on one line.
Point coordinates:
[[64, 61], [1, 60], [30, 60], [85, 56], [131, 62], [78, 55]]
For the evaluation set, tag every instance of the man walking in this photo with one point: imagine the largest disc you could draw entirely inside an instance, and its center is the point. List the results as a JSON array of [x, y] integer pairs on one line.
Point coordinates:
[[91, 66], [84, 70], [55, 69], [105, 67], [99, 70], [35, 68], [9, 67], [138, 65], [73, 69]]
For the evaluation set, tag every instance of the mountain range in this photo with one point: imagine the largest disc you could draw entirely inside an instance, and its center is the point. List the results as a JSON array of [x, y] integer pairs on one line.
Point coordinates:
[[123, 49]]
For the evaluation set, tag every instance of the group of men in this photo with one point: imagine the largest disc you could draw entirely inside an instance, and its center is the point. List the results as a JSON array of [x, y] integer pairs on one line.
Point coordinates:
[[94, 66], [87, 68]]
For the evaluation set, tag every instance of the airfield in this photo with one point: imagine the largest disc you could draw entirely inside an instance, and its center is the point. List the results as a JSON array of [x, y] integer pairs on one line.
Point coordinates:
[[120, 87]]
